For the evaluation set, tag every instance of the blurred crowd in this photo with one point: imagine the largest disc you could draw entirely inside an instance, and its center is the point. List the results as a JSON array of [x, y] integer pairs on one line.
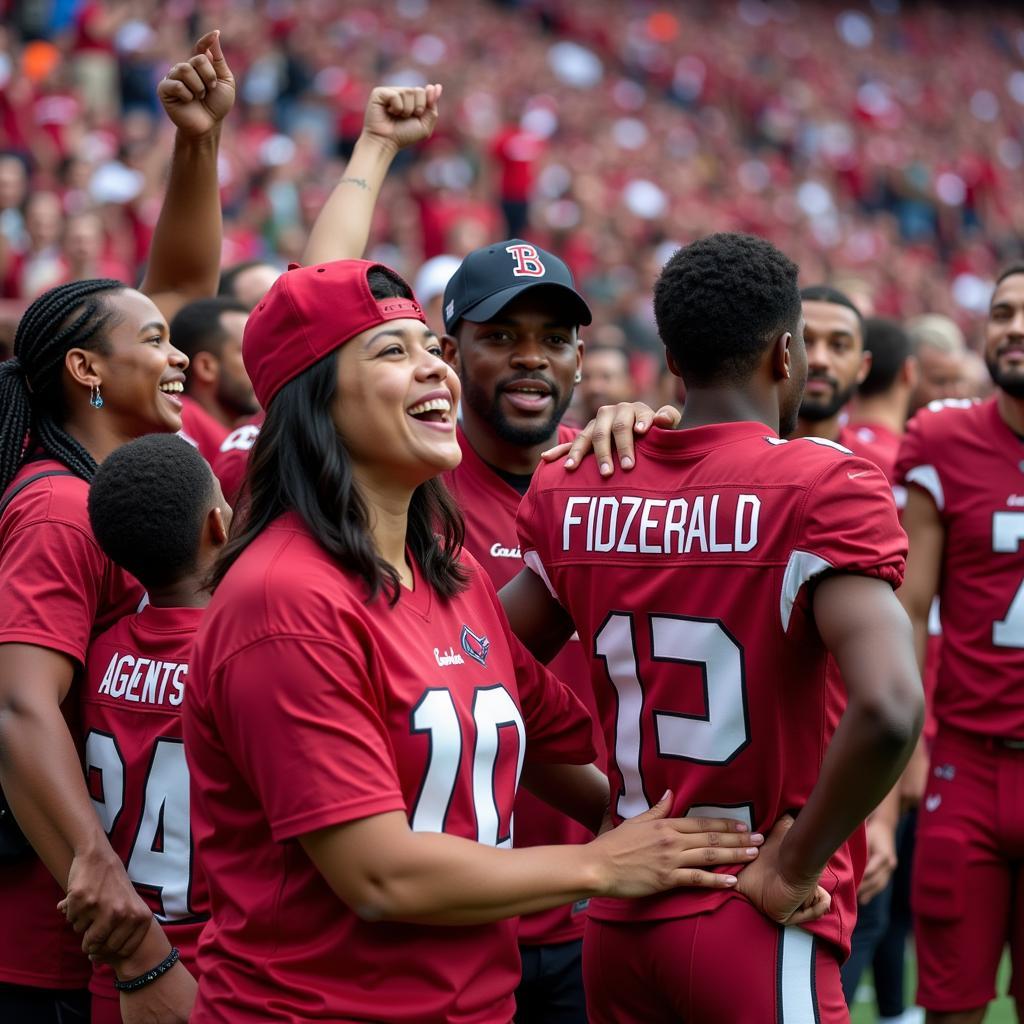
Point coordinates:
[[878, 144]]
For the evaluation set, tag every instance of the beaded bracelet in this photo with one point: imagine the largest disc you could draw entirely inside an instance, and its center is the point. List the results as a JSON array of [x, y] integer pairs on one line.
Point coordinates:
[[150, 976]]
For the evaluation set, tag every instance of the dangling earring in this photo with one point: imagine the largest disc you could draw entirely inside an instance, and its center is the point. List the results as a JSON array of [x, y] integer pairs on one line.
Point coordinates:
[[96, 399], [578, 377]]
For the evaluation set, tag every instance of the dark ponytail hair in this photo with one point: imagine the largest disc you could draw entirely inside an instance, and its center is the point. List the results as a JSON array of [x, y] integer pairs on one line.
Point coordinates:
[[300, 464], [73, 315]]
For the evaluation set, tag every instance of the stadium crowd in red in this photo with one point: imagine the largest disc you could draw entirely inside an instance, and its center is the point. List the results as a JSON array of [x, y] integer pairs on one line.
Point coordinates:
[[614, 130]]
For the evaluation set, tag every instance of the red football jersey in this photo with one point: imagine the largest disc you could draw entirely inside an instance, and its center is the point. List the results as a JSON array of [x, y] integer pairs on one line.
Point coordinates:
[[131, 700], [230, 464], [489, 505], [310, 707], [972, 465], [874, 442], [57, 590], [689, 580]]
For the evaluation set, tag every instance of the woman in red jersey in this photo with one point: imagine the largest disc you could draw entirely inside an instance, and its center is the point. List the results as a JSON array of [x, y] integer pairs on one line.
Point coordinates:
[[359, 712], [93, 368]]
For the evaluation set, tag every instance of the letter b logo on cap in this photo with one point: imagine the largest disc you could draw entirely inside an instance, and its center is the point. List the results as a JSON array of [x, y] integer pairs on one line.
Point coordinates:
[[528, 263]]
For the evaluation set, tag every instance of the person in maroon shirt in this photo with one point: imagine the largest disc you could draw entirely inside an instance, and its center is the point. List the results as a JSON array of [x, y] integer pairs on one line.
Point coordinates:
[[719, 589], [506, 425], [158, 513], [93, 368], [512, 316], [961, 462], [359, 865]]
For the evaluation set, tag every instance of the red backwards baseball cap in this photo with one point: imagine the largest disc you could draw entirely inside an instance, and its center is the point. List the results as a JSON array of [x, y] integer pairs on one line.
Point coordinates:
[[308, 312]]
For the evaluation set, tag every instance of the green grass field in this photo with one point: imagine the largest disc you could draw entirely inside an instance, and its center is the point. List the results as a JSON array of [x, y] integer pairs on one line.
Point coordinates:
[[999, 1012]]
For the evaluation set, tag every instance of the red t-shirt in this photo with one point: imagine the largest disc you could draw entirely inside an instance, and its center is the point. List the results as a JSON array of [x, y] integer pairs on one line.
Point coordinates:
[[131, 700], [690, 581], [230, 464], [489, 505], [965, 456], [57, 590], [310, 707], [201, 429]]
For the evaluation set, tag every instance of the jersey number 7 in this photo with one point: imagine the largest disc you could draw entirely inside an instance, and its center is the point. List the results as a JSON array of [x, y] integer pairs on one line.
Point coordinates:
[[1007, 533]]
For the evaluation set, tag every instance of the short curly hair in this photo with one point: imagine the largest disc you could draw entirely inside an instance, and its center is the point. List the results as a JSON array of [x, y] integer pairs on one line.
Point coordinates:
[[147, 505], [720, 302]]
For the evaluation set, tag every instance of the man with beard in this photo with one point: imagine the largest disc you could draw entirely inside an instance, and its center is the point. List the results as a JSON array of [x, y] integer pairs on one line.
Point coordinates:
[[219, 392], [962, 462], [512, 317], [837, 362]]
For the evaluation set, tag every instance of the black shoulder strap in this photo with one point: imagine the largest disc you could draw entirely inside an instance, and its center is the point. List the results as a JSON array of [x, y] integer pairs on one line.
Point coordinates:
[[15, 491]]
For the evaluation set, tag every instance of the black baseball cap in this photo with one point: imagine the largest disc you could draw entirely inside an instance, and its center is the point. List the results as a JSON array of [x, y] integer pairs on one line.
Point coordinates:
[[490, 278]]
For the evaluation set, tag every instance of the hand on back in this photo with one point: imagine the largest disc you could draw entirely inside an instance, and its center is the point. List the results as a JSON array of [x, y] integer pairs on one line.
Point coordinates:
[[652, 852], [783, 900]]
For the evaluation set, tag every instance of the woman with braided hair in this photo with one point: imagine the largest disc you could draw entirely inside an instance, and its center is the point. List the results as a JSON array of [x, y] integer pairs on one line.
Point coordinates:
[[93, 368]]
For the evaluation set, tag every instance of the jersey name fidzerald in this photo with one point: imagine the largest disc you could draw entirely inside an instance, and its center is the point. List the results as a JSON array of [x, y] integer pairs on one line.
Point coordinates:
[[629, 524]]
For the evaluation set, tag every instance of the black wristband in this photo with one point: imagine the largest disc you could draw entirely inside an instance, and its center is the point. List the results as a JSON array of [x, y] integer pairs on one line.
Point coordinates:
[[150, 976]]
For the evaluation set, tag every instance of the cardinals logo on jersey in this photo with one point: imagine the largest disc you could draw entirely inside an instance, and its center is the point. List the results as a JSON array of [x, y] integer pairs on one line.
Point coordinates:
[[477, 647]]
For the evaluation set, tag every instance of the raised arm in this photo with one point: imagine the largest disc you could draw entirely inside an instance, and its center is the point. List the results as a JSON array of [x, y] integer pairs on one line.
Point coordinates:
[[867, 632], [395, 118], [184, 261]]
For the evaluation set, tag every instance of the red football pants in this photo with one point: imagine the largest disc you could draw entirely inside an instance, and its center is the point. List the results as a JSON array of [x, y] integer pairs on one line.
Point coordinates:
[[967, 887], [729, 965]]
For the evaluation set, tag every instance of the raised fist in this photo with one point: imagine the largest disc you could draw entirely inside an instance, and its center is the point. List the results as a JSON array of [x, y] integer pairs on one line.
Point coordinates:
[[198, 93], [401, 116]]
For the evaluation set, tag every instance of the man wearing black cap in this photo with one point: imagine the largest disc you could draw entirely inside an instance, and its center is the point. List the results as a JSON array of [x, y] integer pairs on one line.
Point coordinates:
[[512, 318]]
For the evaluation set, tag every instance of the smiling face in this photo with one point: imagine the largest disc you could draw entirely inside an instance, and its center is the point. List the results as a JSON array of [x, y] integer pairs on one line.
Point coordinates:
[[836, 361], [518, 369], [1004, 336], [140, 374], [395, 406]]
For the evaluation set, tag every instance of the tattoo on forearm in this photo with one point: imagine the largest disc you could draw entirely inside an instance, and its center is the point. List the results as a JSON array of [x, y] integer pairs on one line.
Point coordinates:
[[361, 182]]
